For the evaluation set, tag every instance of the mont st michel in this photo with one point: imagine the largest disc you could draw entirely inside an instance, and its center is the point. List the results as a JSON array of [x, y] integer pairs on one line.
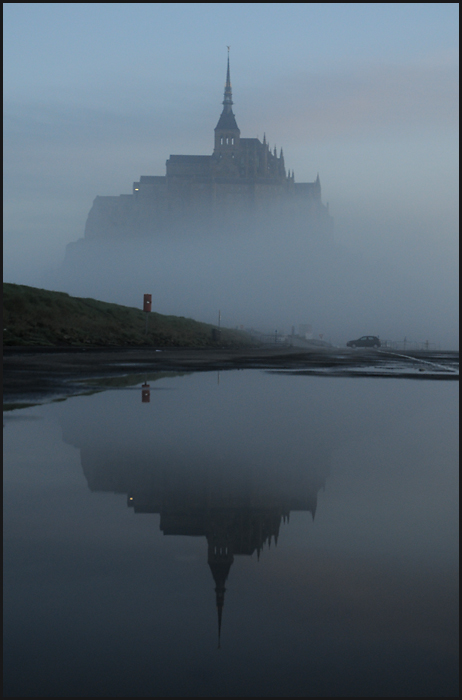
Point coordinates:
[[232, 231], [243, 182]]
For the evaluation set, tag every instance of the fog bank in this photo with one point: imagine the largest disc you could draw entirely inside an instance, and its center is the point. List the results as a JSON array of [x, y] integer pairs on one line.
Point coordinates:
[[271, 280]]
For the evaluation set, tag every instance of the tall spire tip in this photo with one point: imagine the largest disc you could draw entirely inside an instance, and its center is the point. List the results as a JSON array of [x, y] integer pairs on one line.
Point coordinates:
[[228, 98]]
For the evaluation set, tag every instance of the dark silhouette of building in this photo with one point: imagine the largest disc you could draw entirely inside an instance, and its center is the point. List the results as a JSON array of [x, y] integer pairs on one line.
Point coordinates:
[[233, 526], [234, 487], [236, 517], [243, 182]]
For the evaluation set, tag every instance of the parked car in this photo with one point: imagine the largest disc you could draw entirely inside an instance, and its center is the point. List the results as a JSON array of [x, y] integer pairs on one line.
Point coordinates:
[[366, 341]]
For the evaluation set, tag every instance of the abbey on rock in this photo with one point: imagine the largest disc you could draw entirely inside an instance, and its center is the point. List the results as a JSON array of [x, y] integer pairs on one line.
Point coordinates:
[[243, 183]]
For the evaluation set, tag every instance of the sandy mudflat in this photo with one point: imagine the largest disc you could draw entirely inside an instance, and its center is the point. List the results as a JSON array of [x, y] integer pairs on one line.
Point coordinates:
[[37, 374]]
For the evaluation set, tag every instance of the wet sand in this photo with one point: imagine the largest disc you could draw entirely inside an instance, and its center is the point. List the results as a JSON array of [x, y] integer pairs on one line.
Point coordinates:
[[37, 374]]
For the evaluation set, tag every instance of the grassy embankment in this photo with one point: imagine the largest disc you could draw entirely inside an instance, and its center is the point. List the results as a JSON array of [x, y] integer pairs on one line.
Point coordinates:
[[42, 318]]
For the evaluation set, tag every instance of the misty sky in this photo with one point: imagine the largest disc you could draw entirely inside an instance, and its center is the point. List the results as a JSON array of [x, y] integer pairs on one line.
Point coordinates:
[[97, 94]]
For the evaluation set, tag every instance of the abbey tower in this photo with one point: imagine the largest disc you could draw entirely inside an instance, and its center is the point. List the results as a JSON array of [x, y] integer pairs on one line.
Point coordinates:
[[242, 181]]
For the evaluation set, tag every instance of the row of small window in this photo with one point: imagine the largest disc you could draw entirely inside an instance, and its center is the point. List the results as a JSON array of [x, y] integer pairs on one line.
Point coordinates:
[[220, 550], [227, 141]]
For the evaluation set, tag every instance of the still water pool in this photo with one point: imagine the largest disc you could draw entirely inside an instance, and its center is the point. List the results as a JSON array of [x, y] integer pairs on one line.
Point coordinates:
[[241, 534]]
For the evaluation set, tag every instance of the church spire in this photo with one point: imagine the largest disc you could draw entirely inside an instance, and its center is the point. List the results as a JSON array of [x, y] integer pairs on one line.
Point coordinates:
[[227, 132], [228, 97]]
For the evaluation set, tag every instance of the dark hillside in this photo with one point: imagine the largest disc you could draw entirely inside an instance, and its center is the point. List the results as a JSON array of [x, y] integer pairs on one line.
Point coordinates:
[[40, 317]]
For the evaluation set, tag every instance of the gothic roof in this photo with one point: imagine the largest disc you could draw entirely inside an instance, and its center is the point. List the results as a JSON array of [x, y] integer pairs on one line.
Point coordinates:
[[227, 121], [190, 159]]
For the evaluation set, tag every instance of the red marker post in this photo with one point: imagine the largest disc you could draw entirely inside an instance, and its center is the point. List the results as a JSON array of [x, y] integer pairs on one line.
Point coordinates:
[[145, 393], [147, 303]]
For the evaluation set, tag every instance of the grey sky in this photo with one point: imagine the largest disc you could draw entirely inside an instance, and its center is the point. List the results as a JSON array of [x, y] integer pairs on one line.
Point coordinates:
[[97, 94]]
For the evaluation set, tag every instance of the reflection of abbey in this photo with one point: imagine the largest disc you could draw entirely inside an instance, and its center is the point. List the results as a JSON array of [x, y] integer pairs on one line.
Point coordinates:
[[243, 181], [234, 520], [237, 508], [226, 462]]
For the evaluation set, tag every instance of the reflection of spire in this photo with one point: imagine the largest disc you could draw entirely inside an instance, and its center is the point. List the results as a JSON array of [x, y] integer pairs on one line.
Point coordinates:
[[220, 558], [220, 603]]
